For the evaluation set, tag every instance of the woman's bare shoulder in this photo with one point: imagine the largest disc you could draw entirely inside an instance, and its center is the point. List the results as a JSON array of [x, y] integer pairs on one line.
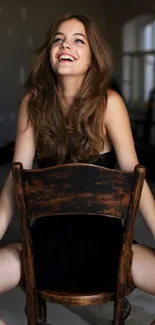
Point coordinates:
[[114, 97], [115, 105]]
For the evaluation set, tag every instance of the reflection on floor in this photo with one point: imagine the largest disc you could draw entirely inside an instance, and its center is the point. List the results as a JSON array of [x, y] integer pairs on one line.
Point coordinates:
[[12, 303]]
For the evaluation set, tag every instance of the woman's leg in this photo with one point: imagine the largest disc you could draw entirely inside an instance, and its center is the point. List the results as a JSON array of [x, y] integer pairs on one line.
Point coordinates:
[[143, 268], [10, 268]]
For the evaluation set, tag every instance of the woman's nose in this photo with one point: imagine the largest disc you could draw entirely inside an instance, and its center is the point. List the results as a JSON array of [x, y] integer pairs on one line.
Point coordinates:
[[65, 44]]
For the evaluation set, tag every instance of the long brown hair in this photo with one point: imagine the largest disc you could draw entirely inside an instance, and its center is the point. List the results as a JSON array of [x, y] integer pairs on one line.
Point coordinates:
[[79, 137]]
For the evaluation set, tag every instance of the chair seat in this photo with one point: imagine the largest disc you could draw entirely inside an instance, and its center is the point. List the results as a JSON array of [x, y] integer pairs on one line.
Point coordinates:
[[80, 298]]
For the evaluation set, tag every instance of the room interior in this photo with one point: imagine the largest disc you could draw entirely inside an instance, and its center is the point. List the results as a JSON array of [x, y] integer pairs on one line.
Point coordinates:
[[127, 26]]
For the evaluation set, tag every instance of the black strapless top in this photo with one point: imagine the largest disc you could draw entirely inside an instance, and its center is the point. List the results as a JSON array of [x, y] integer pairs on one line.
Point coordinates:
[[77, 253], [106, 159]]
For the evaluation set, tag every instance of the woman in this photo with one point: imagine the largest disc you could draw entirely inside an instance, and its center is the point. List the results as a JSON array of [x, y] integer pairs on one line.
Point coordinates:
[[69, 115]]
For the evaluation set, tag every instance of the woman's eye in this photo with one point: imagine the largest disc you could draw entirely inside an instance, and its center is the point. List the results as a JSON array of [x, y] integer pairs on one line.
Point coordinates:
[[57, 40], [78, 40]]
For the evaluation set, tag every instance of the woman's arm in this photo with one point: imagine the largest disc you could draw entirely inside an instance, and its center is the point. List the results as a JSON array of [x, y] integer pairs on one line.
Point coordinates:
[[24, 152], [119, 132]]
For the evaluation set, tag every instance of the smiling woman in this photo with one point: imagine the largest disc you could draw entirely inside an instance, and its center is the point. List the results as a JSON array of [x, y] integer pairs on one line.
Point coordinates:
[[73, 56], [70, 47], [69, 114]]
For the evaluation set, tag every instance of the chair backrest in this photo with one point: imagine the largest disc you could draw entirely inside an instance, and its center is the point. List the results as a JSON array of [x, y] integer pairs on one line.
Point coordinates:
[[76, 189]]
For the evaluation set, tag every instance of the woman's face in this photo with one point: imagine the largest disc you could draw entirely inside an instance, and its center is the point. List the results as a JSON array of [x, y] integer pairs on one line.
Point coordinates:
[[70, 53]]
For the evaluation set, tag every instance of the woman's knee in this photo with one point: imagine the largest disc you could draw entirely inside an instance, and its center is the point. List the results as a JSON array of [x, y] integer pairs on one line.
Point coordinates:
[[10, 266], [143, 268]]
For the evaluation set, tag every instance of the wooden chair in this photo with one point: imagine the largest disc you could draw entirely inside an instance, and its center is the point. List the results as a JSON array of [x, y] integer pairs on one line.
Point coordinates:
[[74, 189]]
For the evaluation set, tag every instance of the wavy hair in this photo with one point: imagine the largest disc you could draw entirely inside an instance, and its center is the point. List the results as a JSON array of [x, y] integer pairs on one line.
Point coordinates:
[[80, 136]]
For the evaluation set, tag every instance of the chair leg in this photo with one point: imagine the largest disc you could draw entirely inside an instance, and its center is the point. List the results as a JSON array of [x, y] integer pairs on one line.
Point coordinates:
[[119, 307], [126, 311], [31, 313], [42, 310]]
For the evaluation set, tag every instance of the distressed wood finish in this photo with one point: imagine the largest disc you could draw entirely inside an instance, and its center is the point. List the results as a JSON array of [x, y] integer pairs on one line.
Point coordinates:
[[80, 299], [74, 189], [69, 190]]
